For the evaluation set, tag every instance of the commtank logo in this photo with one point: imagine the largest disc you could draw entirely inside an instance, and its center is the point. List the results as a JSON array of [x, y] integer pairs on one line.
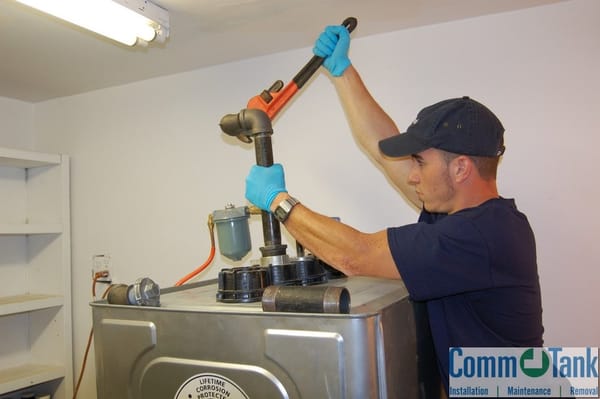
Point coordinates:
[[523, 372], [529, 356]]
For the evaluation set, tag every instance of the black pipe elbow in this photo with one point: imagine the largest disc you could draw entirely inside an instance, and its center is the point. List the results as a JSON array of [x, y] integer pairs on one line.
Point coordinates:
[[246, 123]]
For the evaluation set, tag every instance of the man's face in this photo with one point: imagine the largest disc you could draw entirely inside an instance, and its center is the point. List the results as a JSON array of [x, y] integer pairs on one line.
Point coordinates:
[[430, 176]]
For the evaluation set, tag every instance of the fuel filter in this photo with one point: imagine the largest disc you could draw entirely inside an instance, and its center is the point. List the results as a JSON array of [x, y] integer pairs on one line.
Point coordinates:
[[233, 231]]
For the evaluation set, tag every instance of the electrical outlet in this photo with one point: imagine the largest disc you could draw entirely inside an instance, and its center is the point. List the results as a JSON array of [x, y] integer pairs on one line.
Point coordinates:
[[101, 268]]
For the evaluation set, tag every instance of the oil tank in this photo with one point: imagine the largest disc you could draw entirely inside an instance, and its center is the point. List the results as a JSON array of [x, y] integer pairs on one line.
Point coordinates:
[[195, 347]]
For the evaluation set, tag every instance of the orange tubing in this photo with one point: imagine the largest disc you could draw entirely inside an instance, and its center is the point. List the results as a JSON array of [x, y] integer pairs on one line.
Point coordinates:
[[199, 269], [211, 255]]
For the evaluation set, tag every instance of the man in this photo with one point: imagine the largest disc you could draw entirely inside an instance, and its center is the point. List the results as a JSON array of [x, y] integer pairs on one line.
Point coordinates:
[[471, 256]]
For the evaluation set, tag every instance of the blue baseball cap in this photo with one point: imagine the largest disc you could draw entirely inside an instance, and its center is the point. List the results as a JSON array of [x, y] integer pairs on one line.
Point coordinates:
[[458, 125]]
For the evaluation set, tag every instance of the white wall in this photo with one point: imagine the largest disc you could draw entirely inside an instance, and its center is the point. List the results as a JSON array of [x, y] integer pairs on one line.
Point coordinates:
[[16, 124], [149, 162]]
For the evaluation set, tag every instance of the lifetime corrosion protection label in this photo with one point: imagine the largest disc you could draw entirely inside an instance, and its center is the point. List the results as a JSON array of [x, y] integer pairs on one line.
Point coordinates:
[[209, 385]]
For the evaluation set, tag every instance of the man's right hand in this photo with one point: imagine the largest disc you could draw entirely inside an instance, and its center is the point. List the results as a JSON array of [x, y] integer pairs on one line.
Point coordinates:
[[333, 45]]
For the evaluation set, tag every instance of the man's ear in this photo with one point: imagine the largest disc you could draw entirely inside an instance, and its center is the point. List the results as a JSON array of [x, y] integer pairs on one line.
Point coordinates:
[[461, 168]]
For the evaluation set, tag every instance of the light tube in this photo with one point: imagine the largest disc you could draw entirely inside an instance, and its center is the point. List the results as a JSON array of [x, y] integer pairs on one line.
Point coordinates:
[[104, 17]]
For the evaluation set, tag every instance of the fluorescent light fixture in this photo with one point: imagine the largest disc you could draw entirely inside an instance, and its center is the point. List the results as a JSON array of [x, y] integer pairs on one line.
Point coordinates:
[[127, 21]]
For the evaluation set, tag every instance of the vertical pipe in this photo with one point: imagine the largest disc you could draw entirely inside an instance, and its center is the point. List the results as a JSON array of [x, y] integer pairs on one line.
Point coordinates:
[[271, 228], [255, 124]]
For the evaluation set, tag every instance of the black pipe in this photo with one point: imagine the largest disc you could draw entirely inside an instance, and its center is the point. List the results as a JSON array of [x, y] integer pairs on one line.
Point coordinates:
[[255, 123], [312, 299], [271, 228]]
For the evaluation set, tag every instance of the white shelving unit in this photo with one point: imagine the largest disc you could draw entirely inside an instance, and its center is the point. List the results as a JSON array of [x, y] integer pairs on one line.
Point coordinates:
[[35, 274]]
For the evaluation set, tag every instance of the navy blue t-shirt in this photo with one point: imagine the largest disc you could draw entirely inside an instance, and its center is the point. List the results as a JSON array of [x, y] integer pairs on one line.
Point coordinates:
[[476, 270]]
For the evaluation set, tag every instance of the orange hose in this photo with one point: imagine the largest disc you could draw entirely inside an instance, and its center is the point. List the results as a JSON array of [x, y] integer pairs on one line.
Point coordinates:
[[211, 255], [199, 269]]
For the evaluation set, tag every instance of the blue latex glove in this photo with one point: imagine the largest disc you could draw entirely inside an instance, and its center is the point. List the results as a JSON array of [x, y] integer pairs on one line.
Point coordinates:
[[333, 45], [263, 184]]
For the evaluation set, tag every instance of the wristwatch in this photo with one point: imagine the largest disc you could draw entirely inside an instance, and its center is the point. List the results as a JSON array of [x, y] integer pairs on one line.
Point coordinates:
[[283, 210]]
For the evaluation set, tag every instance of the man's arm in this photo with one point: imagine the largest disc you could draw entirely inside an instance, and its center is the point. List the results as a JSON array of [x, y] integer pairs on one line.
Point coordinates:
[[339, 245], [371, 124], [368, 121]]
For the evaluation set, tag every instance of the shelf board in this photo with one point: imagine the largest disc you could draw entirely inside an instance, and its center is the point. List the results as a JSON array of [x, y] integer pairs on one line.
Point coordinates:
[[27, 375], [28, 302], [30, 228], [26, 159]]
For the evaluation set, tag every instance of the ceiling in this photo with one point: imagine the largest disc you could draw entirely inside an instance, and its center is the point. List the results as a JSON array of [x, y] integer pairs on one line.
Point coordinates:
[[43, 58]]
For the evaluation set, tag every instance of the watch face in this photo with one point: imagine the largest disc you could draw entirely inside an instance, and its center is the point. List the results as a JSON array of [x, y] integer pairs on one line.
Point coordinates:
[[283, 209], [280, 214]]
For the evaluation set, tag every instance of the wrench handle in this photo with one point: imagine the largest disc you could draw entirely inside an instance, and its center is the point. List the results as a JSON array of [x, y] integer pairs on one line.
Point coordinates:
[[271, 101], [315, 62]]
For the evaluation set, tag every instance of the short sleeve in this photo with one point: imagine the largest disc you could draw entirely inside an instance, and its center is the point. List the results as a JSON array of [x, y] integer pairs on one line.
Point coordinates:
[[441, 259]]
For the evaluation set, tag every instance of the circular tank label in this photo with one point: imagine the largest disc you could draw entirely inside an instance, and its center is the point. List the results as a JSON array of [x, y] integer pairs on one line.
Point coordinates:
[[209, 385]]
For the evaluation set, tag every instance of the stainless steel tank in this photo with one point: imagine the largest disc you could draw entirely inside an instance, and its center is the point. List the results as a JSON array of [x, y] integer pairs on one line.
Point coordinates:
[[195, 347]]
